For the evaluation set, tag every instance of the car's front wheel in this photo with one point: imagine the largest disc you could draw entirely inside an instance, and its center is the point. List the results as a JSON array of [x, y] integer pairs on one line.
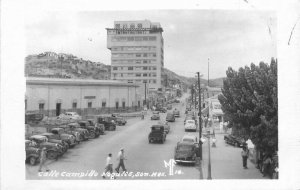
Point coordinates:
[[32, 160], [51, 155], [92, 135]]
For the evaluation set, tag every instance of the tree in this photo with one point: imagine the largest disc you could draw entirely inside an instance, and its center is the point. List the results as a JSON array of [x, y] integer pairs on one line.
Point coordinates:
[[249, 101]]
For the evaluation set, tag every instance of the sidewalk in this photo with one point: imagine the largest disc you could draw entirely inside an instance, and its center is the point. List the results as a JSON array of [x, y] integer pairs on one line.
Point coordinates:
[[226, 162]]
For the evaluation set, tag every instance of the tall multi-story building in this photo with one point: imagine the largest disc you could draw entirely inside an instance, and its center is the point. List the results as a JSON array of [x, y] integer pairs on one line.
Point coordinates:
[[137, 52]]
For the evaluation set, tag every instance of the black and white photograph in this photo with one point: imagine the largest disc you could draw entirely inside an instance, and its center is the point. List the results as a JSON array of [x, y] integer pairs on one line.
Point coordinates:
[[181, 95]]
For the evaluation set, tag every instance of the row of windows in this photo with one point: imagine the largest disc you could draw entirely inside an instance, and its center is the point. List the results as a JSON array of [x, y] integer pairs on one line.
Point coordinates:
[[133, 55], [134, 68], [134, 75], [134, 48], [137, 61], [131, 38], [132, 32], [74, 105], [142, 81]]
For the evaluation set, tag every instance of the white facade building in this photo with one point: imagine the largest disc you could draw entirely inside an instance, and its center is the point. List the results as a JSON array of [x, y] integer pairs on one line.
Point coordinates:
[[54, 96]]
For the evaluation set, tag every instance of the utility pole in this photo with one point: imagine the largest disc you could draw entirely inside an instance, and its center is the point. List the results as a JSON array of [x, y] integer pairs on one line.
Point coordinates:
[[200, 120], [145, 103], [208, 73], [209, 162]]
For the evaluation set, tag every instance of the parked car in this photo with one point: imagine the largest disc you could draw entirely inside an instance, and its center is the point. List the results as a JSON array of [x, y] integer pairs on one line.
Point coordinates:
[[155, 116], [69, 116], [108, 122], [166, 126], [54, 150], [190, 125], [60, 134], [176, 113], [94, 132], [169, 107], [66, 129], [120, 120], [233, 140], [32, 153], [33, 117], [51, 138], [176, 101], [80, 133], [186, 152], [99, 126], [157, 134], [170, 117], [76, 127], [189, 138]]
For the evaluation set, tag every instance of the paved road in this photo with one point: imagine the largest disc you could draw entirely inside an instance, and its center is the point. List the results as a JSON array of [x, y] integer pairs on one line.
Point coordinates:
[[89, 157]]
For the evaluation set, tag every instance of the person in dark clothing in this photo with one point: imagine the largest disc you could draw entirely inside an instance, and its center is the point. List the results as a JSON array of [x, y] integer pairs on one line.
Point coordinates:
[[121, 159], [245, 154]]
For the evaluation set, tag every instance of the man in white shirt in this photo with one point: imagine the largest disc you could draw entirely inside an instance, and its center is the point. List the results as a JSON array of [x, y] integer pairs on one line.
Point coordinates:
[[121, 159], [109, 165]]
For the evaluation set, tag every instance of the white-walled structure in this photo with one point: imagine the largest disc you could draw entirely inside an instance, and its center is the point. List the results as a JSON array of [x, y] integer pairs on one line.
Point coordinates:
[[54, 96]]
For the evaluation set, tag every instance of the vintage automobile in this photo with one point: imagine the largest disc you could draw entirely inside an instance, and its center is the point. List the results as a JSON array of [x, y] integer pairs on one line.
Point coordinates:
[[157, 134], [69, 116], [170, 117], [32, 153], [63, 129], [190, 125], [79, 134], [33, 117], [160, 109], [169, 107], [166, 126], [189, 138], [76, 127], [176, 113], [54, 150], [60, 134], [190, 117], [186, 152], [51, 138], [233, 140], [155, 116], [120, 120], [97, 125], [94, 131], [108, 122]]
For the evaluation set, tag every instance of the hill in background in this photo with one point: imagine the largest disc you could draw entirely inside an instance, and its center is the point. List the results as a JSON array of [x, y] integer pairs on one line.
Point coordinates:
[[53, 65]]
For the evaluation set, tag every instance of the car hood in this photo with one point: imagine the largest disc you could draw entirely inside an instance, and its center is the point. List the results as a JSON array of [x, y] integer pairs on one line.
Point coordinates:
[[190, 125]]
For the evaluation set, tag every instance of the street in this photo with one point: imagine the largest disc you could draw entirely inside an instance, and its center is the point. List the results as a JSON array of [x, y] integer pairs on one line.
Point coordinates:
[[141, 156]]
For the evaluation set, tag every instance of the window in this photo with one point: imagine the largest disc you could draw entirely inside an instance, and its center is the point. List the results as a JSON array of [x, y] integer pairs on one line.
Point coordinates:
[[154, 54], [132, 26], [154, 81], [130, 81], [130, 38], [139, 25], [117, 26], [145, 38], [103, 103], [89, 104], [153, 68], [74, 105], [138, 55], [130, 68], [145, 74], [138, 38], [152, 38], [145, 55], [138, 75], [145, 68], [117, 105], [123, 104], [41, 106], [121, 74], [25, 104], [115, 68], [121, 68], [144, 61]]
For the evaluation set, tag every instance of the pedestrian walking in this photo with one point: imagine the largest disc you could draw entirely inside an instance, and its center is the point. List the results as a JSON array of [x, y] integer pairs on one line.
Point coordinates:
[[245, 154], [109, 165], [43, 158], [121, 159]]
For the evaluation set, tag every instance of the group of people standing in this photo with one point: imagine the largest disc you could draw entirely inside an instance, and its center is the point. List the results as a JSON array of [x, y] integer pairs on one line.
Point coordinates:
[[109, 163]]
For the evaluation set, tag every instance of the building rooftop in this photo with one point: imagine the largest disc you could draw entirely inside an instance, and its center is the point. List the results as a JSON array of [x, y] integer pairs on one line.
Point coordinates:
[[78, 82]]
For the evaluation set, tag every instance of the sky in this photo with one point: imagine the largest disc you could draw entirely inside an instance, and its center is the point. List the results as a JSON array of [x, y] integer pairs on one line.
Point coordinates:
[[191, 37]]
